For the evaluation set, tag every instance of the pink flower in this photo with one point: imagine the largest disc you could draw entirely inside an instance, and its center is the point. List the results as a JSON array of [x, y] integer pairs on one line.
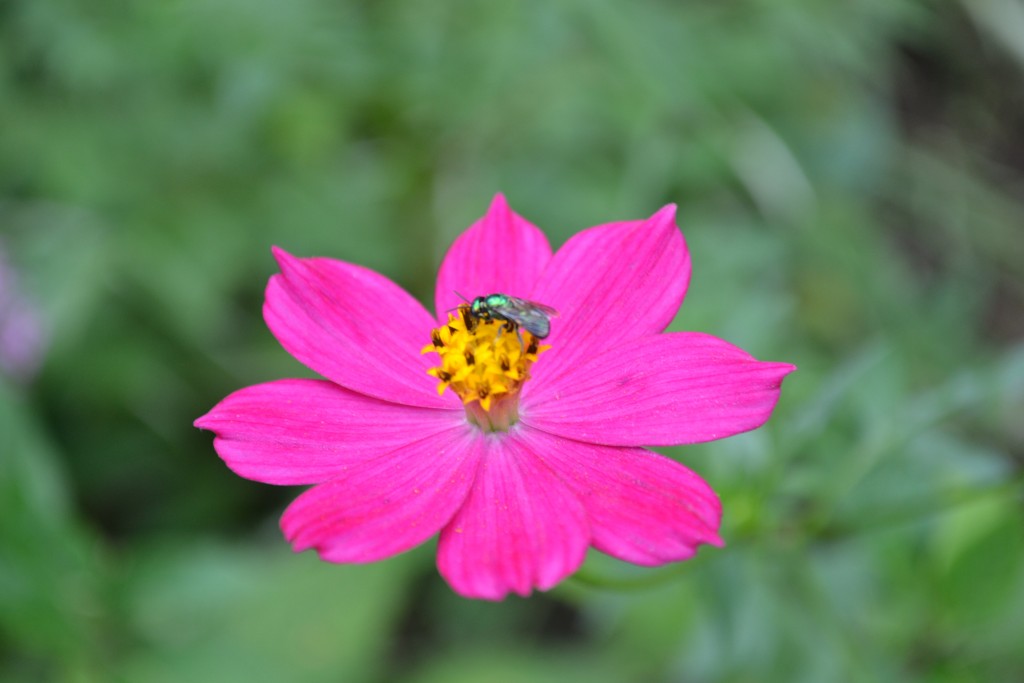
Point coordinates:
[[519, 468]]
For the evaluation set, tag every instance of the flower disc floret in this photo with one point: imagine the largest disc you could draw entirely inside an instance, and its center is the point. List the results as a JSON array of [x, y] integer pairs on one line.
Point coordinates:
[[484, 361]]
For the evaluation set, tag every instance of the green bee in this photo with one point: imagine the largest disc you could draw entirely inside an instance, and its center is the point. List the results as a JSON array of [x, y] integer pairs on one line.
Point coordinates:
[[533, 317]]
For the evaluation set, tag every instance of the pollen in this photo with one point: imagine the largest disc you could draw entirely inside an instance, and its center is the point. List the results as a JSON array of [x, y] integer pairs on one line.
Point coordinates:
[[485, 362]]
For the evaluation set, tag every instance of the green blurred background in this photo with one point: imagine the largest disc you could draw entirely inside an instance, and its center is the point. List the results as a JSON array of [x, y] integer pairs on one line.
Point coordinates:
[[850, 178]]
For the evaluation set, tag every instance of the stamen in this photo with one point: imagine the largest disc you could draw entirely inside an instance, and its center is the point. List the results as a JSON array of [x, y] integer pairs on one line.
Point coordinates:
[[484, 365]]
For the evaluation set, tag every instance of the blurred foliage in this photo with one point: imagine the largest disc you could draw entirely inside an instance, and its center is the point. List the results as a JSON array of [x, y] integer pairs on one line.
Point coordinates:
[[851, 183]]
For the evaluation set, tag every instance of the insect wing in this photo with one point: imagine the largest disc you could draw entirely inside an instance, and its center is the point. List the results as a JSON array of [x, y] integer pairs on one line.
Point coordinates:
[[551, 313], [523, 305], [531, 316]]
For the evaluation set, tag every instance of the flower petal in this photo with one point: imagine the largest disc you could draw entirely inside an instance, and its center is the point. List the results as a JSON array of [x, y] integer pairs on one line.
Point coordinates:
[[664, 390], [520, 527], [306, 431], [501, 252], [389, 504], [613, 283], [353, 326], [643, 507]]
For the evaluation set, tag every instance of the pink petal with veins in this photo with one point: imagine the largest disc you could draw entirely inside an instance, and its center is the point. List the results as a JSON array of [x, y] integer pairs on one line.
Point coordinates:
[[676, 388], [521, 528], [643, 507], [306, 431], [355, 327], [500, 253], [389, 504], [612, 284]]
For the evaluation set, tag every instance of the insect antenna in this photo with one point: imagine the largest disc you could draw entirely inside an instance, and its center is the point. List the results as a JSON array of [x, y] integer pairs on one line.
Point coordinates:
[[456, 307]]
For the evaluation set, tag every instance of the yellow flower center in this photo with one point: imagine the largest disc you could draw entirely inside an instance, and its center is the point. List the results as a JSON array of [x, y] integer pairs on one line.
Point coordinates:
[[485, 362]]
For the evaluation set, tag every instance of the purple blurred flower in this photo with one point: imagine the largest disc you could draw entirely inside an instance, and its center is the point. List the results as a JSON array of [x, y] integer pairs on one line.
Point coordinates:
[[22, 336]]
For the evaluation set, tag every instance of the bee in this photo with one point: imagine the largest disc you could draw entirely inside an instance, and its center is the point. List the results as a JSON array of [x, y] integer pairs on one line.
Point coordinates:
[[533, 317]]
